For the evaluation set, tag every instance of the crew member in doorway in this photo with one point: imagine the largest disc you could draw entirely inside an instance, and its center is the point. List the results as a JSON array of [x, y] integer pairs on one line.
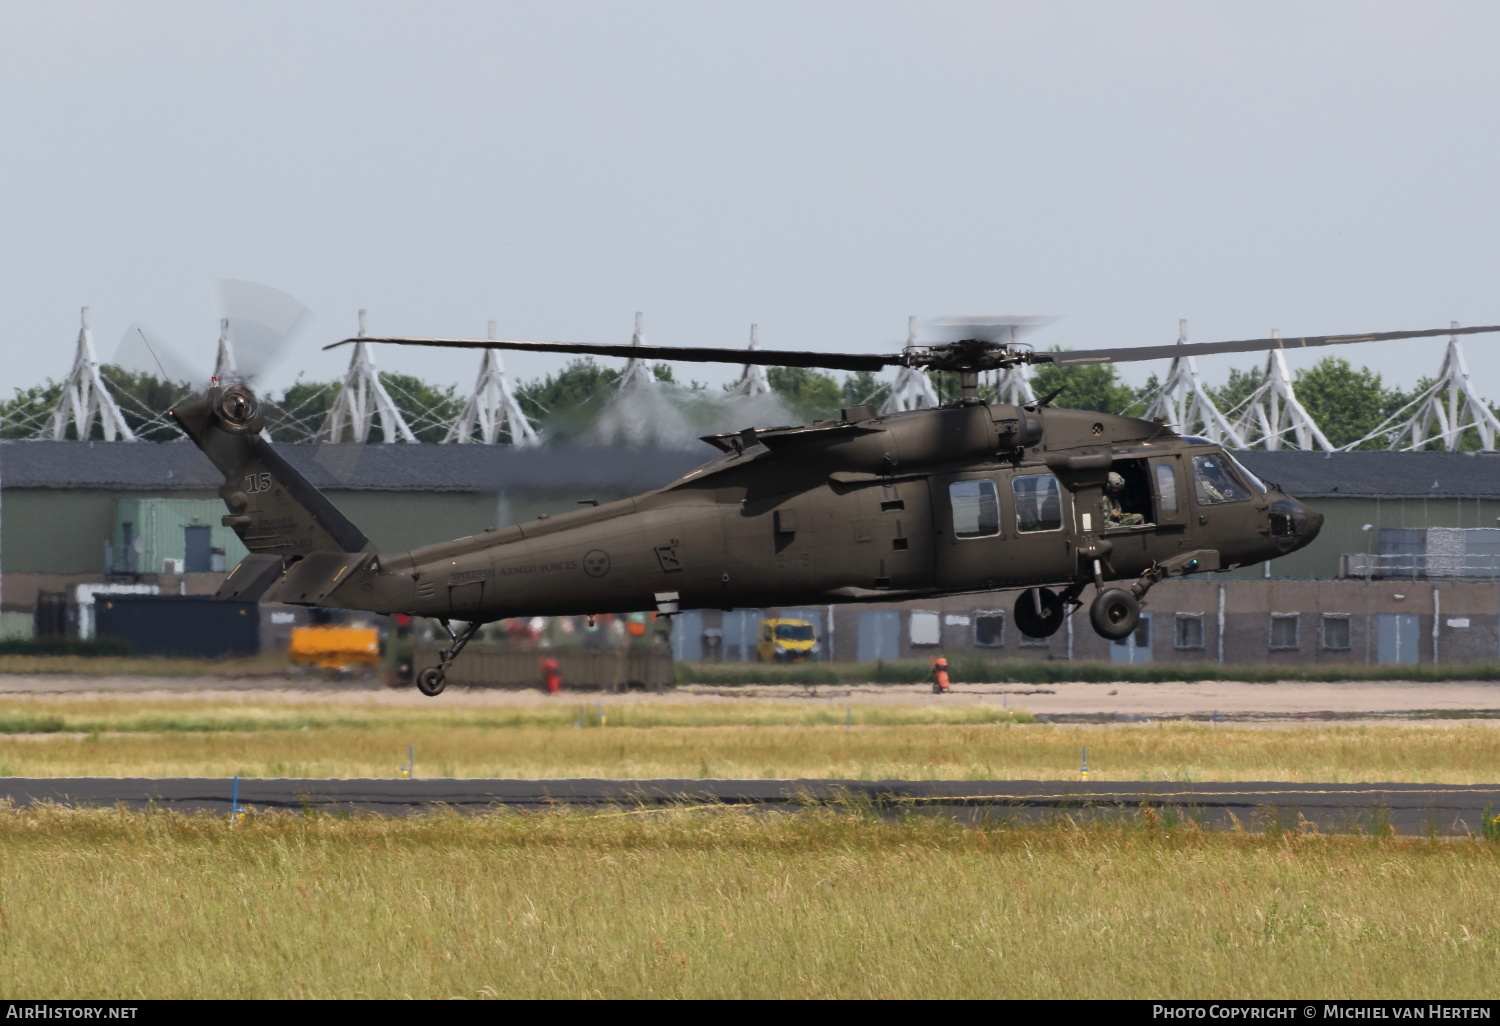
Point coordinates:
[[940, 676], [1114, 515]]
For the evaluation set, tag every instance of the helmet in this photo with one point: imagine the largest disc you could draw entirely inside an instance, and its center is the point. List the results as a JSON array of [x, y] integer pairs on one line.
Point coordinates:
[[1115, 480]]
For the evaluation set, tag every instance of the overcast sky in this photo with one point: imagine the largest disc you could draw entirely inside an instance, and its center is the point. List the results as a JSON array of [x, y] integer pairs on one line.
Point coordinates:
[[822, 168]]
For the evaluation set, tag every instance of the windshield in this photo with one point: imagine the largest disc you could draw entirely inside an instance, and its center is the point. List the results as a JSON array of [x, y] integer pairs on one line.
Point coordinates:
[[794, 632], [1255, 482], [1215, 481]]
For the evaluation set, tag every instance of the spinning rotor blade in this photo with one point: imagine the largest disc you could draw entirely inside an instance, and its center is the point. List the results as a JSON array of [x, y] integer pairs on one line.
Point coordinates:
[[144, 351], [1126, 354], [262, 321], [687, 354], [999, 330]]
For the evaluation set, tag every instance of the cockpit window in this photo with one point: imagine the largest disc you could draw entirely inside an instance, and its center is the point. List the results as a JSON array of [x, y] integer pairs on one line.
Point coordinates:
[[1216, 482], [1255, 482]]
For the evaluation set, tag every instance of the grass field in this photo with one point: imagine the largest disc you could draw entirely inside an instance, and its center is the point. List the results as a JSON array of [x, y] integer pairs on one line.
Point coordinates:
[[267, 736], [727, 904]]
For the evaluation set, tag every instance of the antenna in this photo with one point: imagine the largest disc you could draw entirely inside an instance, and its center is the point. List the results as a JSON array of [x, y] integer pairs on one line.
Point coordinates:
[[224, 367], [1013, 385], [913, 388], [492, 406], [84, 397], [637, 375], [1444, 412], [1186, 404], [1273, 411], [362, 399], [753, 378]]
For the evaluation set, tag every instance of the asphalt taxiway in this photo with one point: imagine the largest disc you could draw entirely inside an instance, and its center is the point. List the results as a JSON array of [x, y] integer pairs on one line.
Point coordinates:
[[1430, 809]]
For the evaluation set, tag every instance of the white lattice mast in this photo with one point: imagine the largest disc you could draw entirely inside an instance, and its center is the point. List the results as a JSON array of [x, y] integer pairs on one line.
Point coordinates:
[[84, 397], [1185, 404], [225, 369], [637, 373], [492, 407], [362, 399], [1273, 412], [753, 380], [913, 389], [1013, 385], [1446, 410]]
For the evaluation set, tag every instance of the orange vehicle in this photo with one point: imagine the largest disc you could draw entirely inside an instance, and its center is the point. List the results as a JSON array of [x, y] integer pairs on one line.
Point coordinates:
[[335, 646]]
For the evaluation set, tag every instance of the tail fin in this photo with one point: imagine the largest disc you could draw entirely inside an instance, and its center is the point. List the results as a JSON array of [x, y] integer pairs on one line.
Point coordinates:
[[282, 519]]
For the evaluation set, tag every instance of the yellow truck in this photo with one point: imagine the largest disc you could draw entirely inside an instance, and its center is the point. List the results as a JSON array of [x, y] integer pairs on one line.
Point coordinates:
[[787, 641], [337, 647]]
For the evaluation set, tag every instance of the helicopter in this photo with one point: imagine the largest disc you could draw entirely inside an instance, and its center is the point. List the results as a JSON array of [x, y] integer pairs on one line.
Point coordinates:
[[968, 496]]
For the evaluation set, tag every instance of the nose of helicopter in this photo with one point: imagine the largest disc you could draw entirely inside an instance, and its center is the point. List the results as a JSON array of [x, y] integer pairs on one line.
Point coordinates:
[[1293, 524]]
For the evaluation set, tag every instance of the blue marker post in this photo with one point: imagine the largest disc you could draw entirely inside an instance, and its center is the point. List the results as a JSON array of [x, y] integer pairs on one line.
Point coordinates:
[[1083, 770], [410, 769], [234, 800]]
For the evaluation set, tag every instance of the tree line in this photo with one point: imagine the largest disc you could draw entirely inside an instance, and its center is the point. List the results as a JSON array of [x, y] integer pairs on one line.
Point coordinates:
[[1347, 402]]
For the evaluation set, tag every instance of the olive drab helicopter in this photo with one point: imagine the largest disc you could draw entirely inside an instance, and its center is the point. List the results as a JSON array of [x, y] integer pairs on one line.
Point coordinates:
[[965, 497]]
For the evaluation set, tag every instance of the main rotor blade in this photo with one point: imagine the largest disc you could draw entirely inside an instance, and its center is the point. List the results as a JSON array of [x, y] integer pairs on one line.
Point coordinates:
[[688, 354], [1127, 354]]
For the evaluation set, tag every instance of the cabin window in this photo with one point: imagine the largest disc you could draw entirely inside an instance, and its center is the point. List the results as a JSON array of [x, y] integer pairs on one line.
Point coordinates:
[[1336, 631], [1189, 630], [1284, 630], [976, 508], [1216, 482], [925, 628], [1038, 503], [1166, 490], [989, 628]]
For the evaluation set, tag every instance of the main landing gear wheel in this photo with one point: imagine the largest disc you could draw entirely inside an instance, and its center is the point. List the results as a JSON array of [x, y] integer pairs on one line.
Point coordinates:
[[1039, 612], [1115, 613], [431, 682]]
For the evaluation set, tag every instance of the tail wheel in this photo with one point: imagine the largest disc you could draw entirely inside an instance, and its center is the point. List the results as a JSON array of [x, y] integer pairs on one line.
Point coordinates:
[[431, 682], [1043, 623], [1114, 614]]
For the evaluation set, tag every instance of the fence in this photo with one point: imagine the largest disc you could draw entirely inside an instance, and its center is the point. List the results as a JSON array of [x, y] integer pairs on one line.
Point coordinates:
[[1419, 565], [591, 669]]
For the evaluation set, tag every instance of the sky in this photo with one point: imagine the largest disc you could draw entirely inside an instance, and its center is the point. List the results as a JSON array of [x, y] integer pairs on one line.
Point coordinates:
[[822, 168]]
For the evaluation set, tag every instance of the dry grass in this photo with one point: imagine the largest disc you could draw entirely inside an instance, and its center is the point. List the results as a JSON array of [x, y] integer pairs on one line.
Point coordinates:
[[270, 664], [270, 736], [727, 904]]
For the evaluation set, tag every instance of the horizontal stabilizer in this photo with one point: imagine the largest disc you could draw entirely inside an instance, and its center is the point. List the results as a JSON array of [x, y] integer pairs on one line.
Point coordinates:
[[251, 578], [313, 579]]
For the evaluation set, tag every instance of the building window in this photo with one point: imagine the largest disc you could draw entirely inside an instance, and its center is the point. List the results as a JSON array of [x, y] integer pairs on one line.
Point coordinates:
[[925, 629], [976, 508], [1038, 503], [1336, 631], [1189, 630], [989, 628], [1284, 630]]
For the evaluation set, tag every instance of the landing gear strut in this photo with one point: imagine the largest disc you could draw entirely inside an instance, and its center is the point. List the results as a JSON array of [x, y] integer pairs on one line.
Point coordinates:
[[434, 679]]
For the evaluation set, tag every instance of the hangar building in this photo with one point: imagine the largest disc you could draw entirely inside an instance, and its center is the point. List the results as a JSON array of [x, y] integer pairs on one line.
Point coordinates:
[[1405, 569]]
